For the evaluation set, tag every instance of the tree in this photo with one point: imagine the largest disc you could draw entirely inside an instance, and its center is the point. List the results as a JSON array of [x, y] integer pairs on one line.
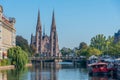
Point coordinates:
[[94, 51], [88, 52], [109, 45], [66, 51], [23, 43], [33, 49], [83, 52], [110, 39], [115, 49], [18, 57], [98, 42], [83, 45]]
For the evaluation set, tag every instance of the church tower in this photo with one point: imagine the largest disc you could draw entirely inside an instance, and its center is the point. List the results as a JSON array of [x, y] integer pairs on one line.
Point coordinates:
[[44, 44], [31, 40], [38, 36], [54, 48]]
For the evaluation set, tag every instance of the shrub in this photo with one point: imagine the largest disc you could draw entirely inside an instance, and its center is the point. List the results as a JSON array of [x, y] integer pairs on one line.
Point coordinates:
[[4, 62], [18, 57]]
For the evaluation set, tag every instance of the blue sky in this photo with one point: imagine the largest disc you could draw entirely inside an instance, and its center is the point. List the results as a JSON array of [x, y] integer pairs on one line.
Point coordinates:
[[76, 20]]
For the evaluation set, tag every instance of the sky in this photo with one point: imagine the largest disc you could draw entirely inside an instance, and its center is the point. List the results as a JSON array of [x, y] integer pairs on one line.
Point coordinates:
[[76, 20]]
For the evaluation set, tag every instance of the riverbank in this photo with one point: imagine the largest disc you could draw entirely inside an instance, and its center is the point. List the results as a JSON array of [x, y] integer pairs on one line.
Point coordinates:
[[12, 66]]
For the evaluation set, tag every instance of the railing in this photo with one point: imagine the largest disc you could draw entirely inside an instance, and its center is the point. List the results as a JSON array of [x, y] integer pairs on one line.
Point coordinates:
[[51, 58]]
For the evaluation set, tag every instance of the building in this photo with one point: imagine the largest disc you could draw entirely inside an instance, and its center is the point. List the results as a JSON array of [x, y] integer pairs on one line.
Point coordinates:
[[117, 37], [46, 45], [7, 33]]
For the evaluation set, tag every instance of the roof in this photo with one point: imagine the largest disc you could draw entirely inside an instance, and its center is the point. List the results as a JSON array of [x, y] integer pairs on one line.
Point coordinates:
[[93, 57], [96, 64]]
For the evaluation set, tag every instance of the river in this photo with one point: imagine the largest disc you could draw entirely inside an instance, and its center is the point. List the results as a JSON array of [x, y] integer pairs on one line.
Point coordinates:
[[50, 71]]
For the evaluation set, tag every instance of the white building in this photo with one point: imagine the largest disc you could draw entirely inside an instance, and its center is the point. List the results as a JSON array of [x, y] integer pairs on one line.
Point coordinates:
[[7, 34]]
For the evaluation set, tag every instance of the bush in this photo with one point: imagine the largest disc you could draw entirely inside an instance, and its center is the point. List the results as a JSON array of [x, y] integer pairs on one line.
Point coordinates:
[[4, 62], [18, 57]]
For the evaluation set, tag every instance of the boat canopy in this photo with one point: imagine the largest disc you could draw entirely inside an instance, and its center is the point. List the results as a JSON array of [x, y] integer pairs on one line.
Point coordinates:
[[99, 63], [93, 57]]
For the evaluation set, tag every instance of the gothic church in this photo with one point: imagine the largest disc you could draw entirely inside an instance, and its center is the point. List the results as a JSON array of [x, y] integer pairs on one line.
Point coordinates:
[[44, 44]]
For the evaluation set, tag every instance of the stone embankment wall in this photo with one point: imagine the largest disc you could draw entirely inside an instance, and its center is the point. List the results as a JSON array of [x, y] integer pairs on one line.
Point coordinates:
[[7, 67], [12, 67]]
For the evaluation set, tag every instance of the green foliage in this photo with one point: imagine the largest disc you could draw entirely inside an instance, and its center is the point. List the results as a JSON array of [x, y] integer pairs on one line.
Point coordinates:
[[83, 45], [66, 51], [106, 46], [99, 45], [4, 62], [33, 49], [18, 57], [17, 73], [84, 52], [88, 52], [37, 55], [114, 49], [23, 43], [98, 42], [94, 51]]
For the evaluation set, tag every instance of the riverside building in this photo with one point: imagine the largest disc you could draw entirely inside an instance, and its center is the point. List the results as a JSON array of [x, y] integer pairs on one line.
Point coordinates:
[[7, 33]]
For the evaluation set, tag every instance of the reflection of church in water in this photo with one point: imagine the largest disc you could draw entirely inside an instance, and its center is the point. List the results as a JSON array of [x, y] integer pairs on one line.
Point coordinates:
[[46, 45], [45, 71]]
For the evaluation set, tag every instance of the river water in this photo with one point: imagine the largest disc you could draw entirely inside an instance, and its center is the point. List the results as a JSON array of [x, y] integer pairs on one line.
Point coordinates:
[[50, 71]]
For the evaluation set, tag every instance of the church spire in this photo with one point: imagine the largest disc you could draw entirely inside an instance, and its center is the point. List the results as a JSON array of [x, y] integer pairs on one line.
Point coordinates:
[[38, 21], [38, 35], [54, 49], [53, 21], [44, 30], [31, 39]]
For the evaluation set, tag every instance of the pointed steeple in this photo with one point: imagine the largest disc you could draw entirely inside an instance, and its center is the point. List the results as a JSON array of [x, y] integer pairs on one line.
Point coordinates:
[[53, 21], [38, 21], [32, 35], [44, 30], [54, 49], [31, 39], [38, 34]]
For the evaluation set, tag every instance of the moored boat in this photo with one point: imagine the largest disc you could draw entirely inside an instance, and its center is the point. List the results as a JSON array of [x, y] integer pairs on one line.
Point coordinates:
[[118, 71], [100, 68]]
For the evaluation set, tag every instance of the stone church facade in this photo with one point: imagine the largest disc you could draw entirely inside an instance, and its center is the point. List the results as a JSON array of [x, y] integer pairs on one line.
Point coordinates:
[[46, 45]]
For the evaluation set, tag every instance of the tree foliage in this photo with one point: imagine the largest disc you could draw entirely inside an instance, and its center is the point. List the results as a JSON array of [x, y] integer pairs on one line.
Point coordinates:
[[94, 51], [83, 45], [33, 49], [66, 51], [114, 49], [98, 42], [23, 43], [18, 57], [88, 52], [106, 46], [4, 62]]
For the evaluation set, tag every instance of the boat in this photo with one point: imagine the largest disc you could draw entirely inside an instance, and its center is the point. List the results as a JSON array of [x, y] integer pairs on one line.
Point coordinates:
[[118, 71], [100, 68]]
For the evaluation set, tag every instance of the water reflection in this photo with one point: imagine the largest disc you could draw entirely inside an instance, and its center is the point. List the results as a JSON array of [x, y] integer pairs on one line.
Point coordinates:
[[3, 75], [101, 78], [50, 71], [45, 71]]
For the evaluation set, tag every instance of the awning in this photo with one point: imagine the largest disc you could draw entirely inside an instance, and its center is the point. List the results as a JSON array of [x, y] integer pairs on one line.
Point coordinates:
[[96, 64]]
